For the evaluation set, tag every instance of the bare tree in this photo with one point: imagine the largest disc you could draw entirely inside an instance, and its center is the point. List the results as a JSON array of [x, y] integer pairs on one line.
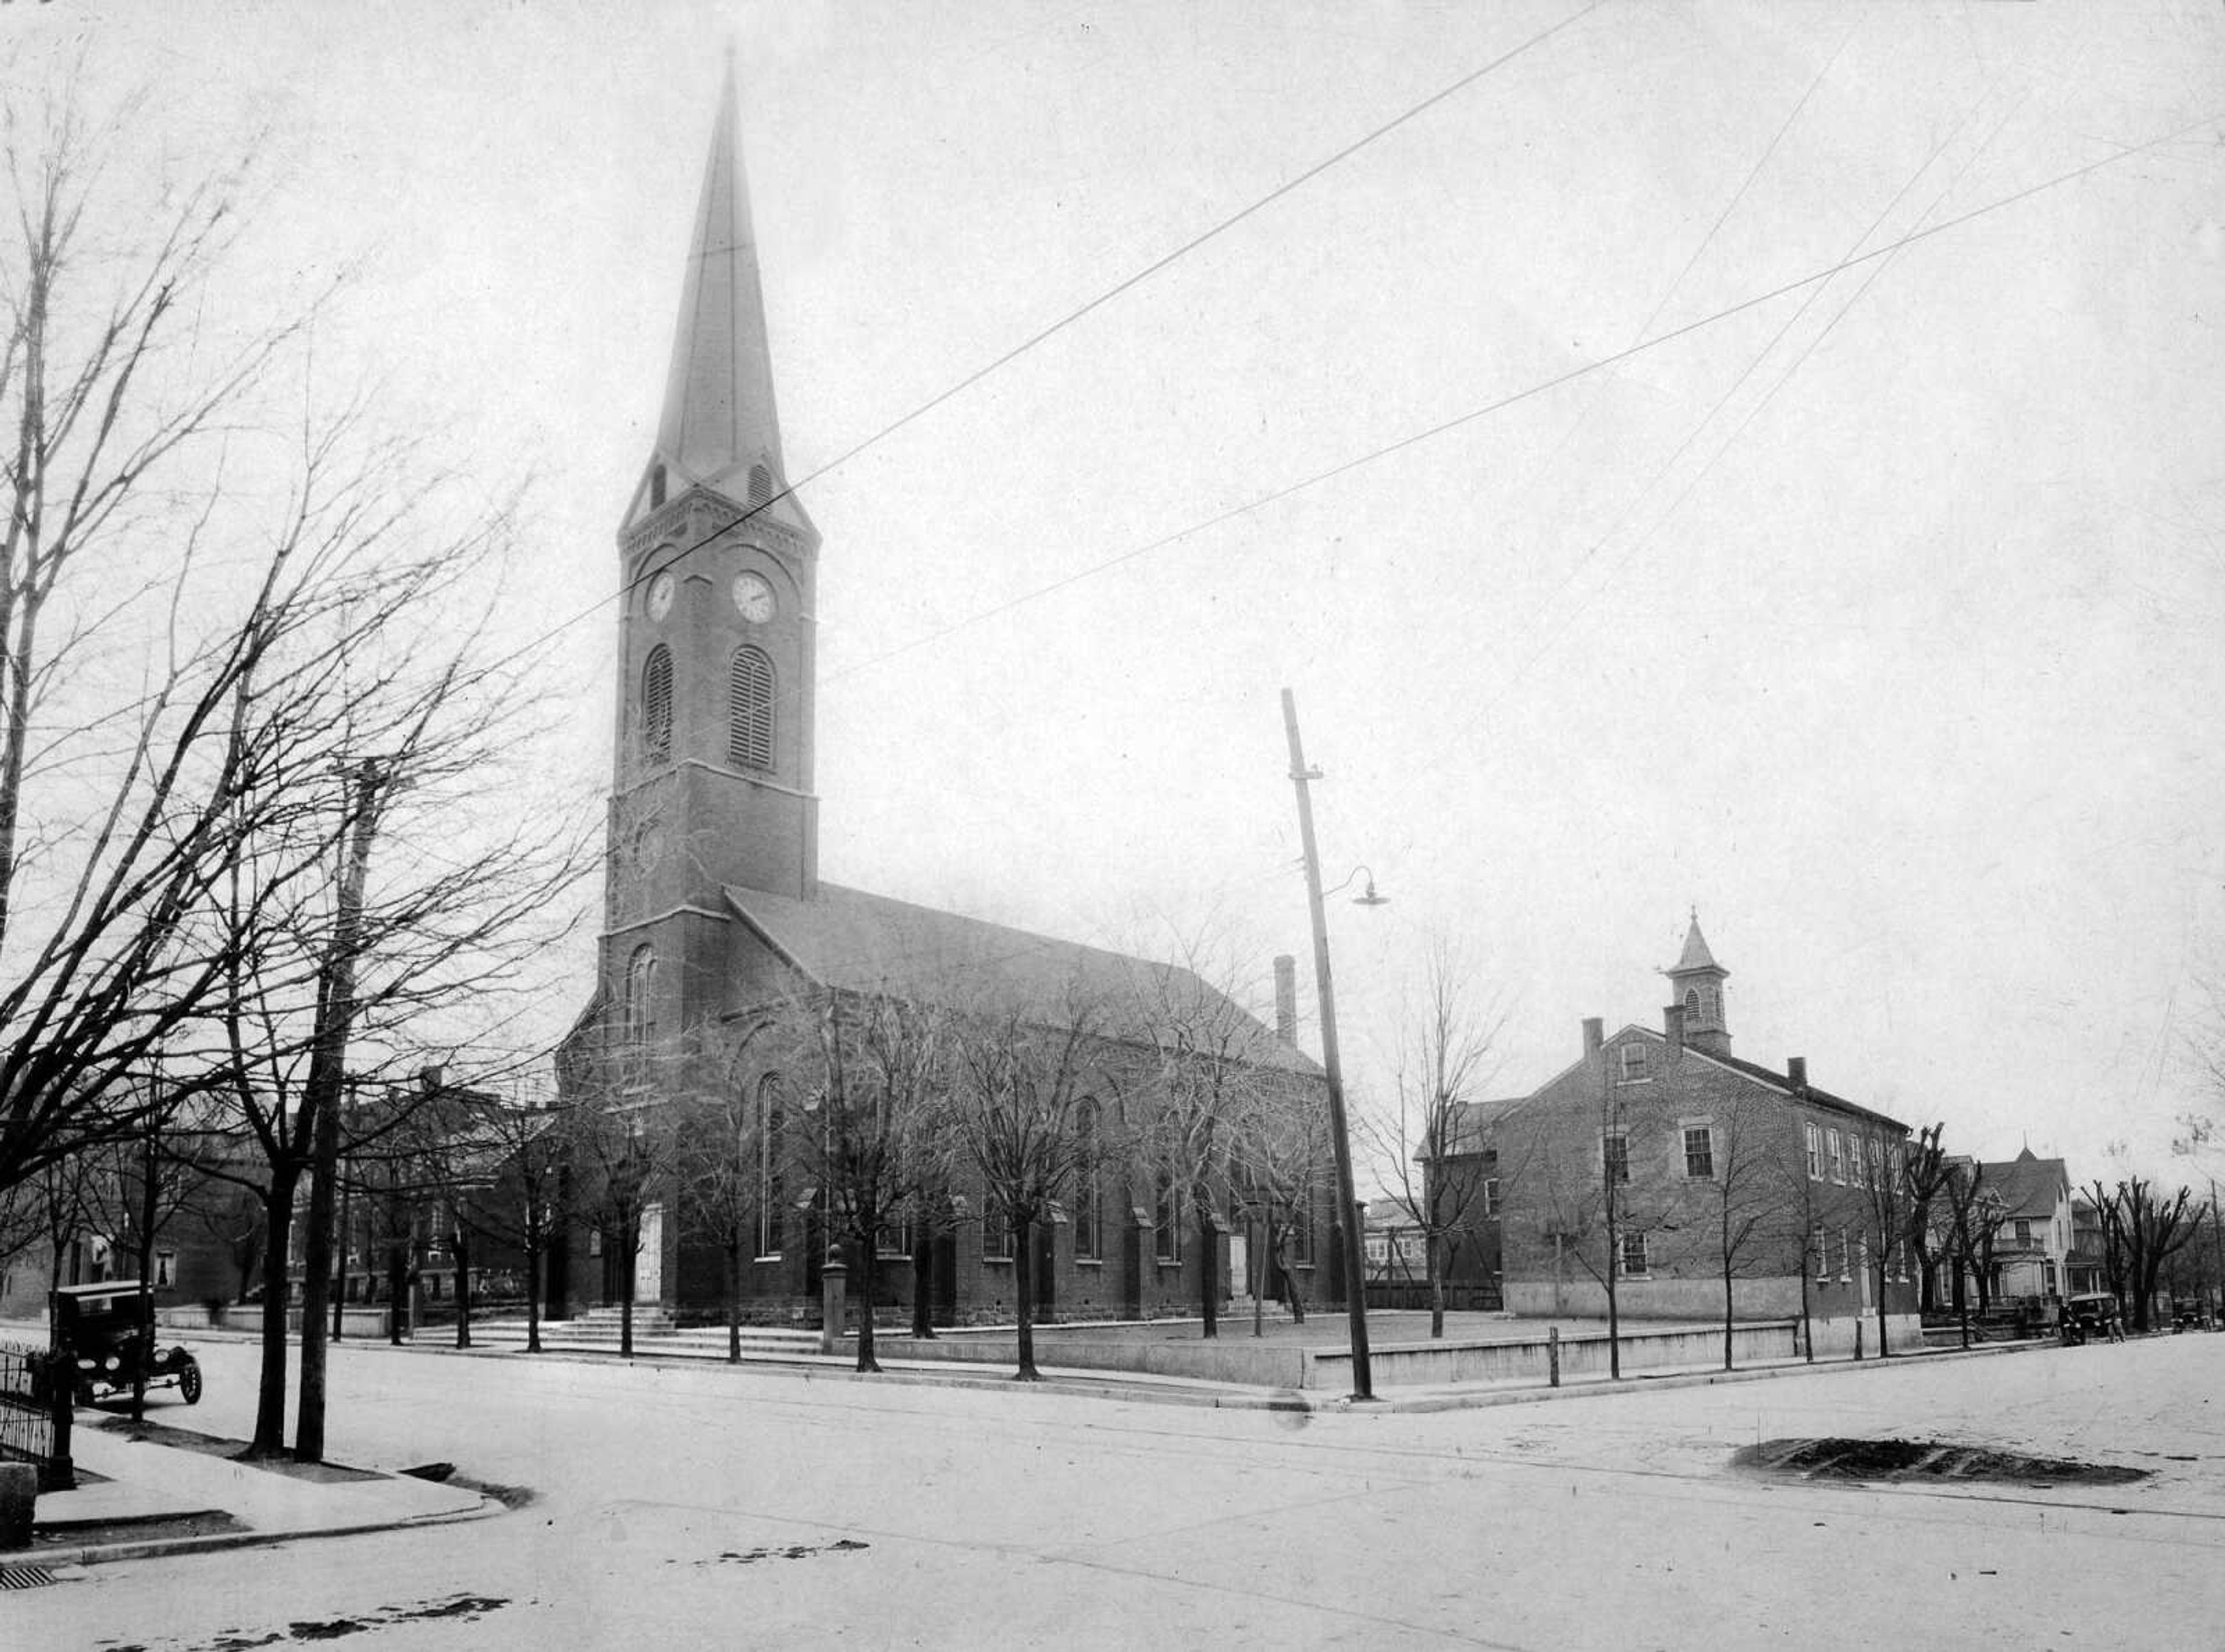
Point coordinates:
[[1974, 1216], [171, 874], [128, 621], [1883, 1184], [2143, 1228], [1428, 1149], [627, 1154], [1926, 1178], [520, 1204], [1216, 1068], [1740, 1202], [1283, 1164], [1016, 1080], [877, 1070], [720, 1141]]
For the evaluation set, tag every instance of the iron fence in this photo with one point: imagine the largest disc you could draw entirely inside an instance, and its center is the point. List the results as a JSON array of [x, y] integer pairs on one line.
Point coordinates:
[[35, 1414]]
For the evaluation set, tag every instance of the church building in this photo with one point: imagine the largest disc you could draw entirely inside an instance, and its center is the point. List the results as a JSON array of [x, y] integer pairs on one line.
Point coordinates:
[[714, 906]]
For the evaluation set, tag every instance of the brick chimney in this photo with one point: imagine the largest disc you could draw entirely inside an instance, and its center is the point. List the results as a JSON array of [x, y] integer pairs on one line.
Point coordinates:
[[1795, 1068], [1672, 1025], [1595, 1035], [1286, 999]]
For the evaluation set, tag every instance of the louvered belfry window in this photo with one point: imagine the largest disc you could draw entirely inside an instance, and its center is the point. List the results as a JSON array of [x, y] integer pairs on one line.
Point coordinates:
[[749, 710], [657, 702]]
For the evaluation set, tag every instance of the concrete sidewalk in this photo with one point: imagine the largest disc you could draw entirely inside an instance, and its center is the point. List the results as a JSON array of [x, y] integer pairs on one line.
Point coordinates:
[[160, 1488]]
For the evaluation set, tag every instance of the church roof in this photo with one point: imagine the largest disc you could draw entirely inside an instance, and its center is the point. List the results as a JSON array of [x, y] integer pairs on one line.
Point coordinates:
[[720, 417], [852, 941], [1696, 955]]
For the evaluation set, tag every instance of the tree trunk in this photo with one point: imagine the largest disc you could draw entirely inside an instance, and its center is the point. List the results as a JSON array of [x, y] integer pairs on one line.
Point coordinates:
[[1885, 1349], [340, 1275], [1024, 1287], [534, 1247], [1806, 1309], [922, 1282], [397, 1289], [270, 1439], [1432, 1256], [150, 1195], [1727, 1314], [868, 1266], [630, 1254], [734, 1248], [460, 1245], [1208, 1266]]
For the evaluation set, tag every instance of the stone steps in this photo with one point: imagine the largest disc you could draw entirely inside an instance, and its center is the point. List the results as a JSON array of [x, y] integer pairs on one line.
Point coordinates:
[[601, 1331]]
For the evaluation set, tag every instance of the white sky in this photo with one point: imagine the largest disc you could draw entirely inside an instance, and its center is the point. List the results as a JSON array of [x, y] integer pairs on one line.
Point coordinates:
[[1883, 629]]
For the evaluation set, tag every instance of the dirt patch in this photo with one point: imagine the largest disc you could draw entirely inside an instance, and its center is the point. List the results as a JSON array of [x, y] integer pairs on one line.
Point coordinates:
[[787, 1552], [1839, 1459], [463, 1608], [160, 1433]]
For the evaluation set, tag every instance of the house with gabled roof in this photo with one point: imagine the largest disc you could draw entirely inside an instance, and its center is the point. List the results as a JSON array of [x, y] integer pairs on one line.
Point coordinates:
[[714, 908], [1700, 1184], [2032, 1245]]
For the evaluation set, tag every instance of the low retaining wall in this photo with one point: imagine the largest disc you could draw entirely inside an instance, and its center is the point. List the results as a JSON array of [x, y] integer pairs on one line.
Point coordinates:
[[1232, 1357], [363, 1322], [1584, 1354]]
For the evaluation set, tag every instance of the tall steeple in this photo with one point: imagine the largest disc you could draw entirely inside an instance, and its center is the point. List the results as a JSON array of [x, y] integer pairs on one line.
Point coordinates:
[[1697, 982], [720, 428]]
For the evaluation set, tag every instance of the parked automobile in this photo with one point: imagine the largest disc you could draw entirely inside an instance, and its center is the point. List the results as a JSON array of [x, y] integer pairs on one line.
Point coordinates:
[[106, 1333], [2090, 1315]]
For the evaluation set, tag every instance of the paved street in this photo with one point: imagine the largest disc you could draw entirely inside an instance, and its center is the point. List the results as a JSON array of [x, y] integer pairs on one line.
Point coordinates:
[[702, 1506]]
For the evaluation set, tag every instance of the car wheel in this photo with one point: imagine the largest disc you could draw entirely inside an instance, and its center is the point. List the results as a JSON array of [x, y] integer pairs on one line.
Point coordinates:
[[189, 1381]]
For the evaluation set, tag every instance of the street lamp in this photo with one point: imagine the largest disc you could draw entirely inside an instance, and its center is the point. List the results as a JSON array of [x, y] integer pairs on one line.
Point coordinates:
[[1363, 1382]]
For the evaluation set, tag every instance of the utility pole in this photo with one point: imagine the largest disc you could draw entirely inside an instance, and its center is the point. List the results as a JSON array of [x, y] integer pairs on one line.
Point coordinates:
[[2217, 1247], [328, 1060], [1355, 1288]]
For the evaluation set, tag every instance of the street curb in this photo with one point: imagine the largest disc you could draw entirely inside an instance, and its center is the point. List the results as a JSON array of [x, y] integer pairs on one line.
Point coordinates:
[[214, 1542]]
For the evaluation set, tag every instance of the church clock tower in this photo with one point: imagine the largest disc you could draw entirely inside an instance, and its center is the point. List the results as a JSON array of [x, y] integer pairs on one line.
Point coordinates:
[[713, 776]]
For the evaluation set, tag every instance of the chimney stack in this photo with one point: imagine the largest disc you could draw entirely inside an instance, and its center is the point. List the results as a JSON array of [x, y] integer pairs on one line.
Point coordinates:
[[1672, 1024], [1795, 1068], [1286, 999], [1595, 1035]]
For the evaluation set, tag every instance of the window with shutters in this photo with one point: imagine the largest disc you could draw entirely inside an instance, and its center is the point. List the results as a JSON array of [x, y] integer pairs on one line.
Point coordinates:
[[656, 702], [749, 710]]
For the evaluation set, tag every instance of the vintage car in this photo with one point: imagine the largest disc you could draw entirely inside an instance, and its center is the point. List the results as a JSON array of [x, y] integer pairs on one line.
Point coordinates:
[[2091, 1315], [106, 1334]]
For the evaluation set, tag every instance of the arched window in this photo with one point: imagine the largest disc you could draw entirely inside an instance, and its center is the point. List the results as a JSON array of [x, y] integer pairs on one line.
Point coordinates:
[[749, 709], [760, 485], [656, 702], [1084, 1182], [641, 997], [770, 1192], [656, 487], [1692, 1003]]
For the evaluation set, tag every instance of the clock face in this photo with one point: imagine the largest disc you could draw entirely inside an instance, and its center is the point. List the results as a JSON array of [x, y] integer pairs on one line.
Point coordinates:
[[754, 598], [660, 595]]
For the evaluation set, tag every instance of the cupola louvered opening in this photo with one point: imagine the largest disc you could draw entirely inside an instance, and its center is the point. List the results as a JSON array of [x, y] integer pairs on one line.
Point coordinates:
[[749, 710], [760, 485], [749, 702], [656, 702]]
